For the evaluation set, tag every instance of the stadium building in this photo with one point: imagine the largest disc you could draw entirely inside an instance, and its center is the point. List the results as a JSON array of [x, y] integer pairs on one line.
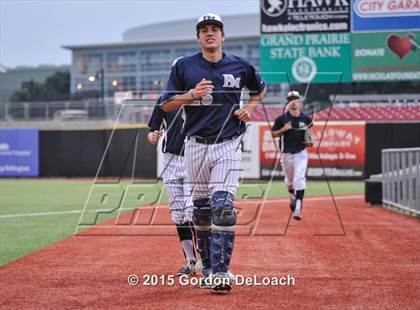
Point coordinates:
[[141, 62]]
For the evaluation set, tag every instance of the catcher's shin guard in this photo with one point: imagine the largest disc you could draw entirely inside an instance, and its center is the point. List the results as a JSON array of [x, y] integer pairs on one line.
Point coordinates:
[[221, 250], [223, 236], [202, 225]]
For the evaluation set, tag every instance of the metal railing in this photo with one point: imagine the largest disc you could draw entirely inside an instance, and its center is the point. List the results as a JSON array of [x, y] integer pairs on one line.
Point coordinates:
[[401, 179], [92, 110], [133, 111], [51, 110], [137, 111]]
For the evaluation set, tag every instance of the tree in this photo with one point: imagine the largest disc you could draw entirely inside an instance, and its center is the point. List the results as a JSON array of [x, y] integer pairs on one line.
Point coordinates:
[[55, 87], [19, 96]]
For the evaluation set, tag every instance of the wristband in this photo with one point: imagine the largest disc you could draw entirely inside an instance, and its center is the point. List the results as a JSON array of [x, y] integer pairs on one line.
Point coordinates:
[[192, 94]]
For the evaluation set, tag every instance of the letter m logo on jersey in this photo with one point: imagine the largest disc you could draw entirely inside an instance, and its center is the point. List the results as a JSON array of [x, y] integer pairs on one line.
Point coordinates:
[[231, 81]]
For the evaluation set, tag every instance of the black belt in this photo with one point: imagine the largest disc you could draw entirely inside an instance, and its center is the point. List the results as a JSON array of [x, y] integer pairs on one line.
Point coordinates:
[[216, 140]]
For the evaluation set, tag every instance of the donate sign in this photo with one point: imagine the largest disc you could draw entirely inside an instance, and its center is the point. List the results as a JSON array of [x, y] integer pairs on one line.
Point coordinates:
[[19, 152], [386, 56]]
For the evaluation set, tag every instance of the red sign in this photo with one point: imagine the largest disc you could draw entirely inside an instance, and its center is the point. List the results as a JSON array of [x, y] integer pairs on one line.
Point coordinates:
[[340, 147]]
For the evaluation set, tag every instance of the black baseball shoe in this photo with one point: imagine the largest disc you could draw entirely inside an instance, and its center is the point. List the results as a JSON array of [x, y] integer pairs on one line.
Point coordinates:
[[292, 202], [221, 284], [187, 269], [206, 281]]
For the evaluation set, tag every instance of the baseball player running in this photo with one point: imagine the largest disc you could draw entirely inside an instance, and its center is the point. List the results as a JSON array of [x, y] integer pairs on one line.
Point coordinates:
[[208, 86], [294, 129], [174, 178]]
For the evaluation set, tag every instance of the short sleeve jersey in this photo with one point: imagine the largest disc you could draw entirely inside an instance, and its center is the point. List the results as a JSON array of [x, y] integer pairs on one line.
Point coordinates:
[[229, 76], [292, 141], [172, 122]]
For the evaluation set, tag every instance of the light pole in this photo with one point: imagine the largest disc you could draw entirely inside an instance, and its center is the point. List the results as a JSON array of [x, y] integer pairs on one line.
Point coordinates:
[[99, 75], [101, 72]]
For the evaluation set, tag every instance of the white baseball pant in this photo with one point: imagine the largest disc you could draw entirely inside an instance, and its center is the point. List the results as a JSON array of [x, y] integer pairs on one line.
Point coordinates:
[[213, 167], [177, 188], [294, 168]]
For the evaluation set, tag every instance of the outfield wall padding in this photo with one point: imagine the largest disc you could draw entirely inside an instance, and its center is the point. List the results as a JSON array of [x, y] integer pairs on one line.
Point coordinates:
[[78, 153]]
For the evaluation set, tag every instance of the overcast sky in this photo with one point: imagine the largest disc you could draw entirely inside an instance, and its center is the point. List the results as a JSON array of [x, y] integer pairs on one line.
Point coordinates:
[[33, 31]]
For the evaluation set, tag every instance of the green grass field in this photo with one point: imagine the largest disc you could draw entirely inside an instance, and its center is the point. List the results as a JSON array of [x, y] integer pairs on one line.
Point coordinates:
[[35, 213]]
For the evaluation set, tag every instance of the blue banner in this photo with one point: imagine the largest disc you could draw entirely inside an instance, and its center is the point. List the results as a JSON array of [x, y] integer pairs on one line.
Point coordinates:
[[368, 15], [19, 152]]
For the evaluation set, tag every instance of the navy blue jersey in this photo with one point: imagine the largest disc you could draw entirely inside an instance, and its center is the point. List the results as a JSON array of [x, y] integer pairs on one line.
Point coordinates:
[[229, 76], [292, 141], [172, 122]]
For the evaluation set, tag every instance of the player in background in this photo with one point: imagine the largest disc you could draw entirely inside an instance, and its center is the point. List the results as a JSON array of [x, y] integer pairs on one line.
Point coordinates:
[[292, 127], [174, 177], [208, 86]]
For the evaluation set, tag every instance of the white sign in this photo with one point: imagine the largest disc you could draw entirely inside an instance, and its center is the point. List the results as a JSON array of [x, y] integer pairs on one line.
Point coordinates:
[[383, 8], [250, 164]]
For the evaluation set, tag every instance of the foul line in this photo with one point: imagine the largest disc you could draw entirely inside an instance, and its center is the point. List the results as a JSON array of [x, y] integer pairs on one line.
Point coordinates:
[[123, 209], [53, 213]]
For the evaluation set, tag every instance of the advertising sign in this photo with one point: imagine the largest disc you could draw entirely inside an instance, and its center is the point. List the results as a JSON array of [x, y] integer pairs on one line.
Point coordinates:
[[377, 15], [19, 152], [250, 155], [269, 153], [341, 153], [304, 58], [386, 56], [294, 16], [341, 150]]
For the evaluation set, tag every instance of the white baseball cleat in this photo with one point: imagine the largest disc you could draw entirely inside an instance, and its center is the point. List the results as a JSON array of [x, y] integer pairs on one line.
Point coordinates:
[[297, 214]]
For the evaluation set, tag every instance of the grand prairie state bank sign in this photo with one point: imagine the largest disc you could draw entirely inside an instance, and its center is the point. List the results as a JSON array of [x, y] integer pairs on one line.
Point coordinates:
[[376, 15]]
